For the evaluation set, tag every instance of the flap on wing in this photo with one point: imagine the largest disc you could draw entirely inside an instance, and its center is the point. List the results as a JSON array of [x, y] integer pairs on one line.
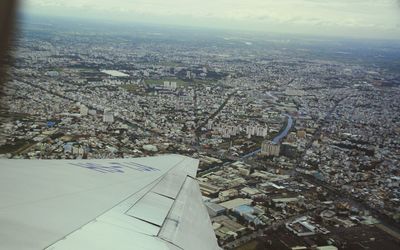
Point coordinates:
[[169, 212], [175, 205], [155, 205], [170, 185], [187, 218], [153, 208]]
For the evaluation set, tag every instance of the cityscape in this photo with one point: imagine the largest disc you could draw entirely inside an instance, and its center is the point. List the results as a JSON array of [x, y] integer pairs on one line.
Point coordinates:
[[298, 138]]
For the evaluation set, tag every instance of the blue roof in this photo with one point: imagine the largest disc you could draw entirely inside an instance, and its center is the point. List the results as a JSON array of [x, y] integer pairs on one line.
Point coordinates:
[[244, 209], [247, 213], [50, 124]]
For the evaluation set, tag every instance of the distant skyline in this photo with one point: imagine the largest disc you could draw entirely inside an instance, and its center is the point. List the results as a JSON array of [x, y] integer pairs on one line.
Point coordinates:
[[345, 18]]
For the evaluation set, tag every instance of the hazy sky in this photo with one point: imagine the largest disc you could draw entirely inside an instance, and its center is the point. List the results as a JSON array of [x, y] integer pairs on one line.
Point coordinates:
[[356, 18]]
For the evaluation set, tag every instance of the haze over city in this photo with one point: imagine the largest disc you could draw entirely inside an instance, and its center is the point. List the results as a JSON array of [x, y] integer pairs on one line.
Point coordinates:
[[343, 18]]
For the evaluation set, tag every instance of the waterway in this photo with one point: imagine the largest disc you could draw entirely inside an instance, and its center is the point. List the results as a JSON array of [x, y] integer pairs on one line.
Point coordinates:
[[277, 139]]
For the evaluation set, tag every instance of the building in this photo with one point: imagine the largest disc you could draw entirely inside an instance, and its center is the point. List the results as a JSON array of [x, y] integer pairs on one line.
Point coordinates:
[[304, 226], [208, 189], [225, 227], [166, 85], [214, 209], [108, 116], [249, 191], [170, 85], [236, 203], [269, 148], [249, 213], [173, 85], [84, 110], [256, 131], [227, 194]]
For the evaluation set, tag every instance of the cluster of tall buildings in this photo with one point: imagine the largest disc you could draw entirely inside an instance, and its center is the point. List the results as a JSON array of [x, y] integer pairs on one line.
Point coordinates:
[[228, 131], [169, 85], [256, 131], [269, 148]]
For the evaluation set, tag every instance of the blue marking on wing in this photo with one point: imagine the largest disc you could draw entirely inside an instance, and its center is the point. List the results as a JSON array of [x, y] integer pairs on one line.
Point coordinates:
[[114, 167]]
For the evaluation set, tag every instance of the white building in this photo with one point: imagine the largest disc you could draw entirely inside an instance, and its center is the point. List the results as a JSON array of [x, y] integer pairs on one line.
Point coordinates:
[[170, 85], [108, 116], [84, 110], [256, 131], [173, 85], [269, 148], [166, 85]]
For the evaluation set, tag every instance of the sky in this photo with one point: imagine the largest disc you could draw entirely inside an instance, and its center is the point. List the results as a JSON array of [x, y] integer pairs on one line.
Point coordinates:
[[378, 19]]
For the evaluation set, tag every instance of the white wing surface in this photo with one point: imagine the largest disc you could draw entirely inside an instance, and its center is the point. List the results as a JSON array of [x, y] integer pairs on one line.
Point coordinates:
[[141, 203]]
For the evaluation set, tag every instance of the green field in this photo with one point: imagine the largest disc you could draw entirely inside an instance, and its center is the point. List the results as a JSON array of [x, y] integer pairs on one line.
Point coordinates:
[[130, 87]]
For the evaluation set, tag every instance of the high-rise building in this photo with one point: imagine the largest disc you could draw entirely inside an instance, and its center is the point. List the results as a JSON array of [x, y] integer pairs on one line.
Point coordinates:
[[209, 125], [108, 116], [173, 85], [166, 85], [269, 148], [257, 131], [84, 110], [170, 85]]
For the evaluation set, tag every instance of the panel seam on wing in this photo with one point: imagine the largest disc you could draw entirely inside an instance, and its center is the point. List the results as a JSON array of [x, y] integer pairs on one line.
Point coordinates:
[[161, 177]]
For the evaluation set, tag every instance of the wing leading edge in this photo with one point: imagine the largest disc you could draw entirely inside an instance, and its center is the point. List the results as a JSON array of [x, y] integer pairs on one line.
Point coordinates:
[[142, 203]]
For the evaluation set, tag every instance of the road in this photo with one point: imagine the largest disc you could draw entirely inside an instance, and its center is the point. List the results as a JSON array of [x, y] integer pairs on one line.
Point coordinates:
[[213, 115]]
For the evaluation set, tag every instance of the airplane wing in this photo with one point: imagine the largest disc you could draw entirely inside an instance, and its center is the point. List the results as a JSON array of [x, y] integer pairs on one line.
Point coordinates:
[[140, 203]]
